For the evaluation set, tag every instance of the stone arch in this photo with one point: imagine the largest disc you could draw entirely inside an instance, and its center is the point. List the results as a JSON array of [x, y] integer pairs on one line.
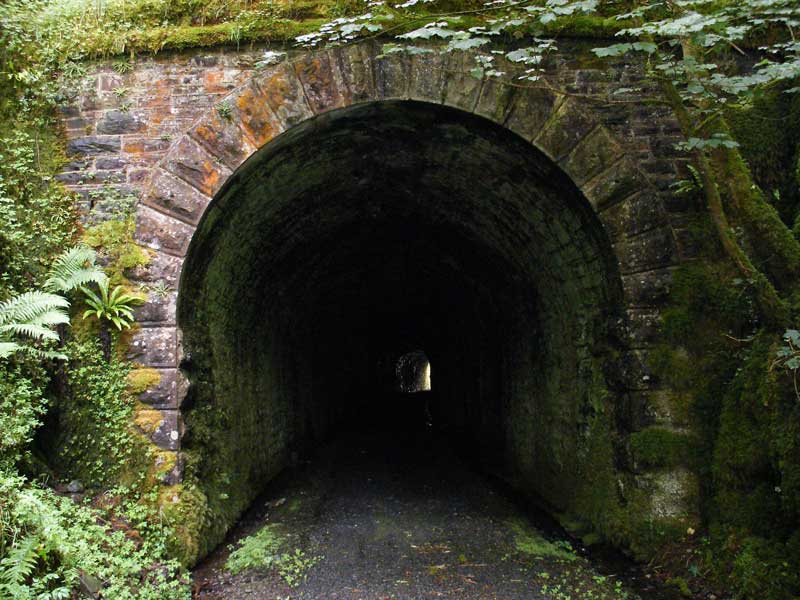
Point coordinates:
[[187, 190]]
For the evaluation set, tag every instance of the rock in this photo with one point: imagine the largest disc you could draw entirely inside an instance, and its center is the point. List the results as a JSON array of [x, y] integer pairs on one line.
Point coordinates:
[[90, 586], [116, 121], [75, 487], [93, 145]]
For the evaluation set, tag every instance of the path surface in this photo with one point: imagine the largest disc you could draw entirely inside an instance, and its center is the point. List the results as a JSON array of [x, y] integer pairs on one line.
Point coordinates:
[[402, 519]]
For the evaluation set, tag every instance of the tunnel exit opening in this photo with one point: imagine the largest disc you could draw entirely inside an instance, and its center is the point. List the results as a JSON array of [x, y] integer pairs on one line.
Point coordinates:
[[390, 225]]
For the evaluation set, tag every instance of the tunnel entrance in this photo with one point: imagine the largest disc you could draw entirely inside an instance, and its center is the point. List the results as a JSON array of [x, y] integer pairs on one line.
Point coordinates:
[[394, 225]]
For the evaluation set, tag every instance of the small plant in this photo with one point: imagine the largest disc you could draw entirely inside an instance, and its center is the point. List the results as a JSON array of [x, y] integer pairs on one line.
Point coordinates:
[[224, 110], [294, 566], [115, 307], [123, 65], [788, 356], [257, 551], [120, 92], [158, 289], [262, 551]]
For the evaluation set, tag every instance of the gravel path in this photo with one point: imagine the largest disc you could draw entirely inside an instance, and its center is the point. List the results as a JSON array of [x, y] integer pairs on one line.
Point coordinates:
[[394, 518]]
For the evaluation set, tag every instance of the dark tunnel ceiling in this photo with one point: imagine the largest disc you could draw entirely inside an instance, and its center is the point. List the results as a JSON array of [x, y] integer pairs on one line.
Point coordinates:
[[333, 202]]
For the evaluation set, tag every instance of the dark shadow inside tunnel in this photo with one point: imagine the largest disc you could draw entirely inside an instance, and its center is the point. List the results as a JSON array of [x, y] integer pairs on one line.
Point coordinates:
[[372, 232]]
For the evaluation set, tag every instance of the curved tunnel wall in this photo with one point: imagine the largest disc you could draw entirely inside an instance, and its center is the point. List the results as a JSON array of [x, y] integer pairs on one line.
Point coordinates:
[[391, 225]]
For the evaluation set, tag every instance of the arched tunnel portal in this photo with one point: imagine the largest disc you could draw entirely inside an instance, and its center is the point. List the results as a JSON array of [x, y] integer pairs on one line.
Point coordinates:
[[391, 225]]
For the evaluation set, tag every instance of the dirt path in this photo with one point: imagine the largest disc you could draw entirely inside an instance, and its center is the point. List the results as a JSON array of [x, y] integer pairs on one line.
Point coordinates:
[[401, 519]]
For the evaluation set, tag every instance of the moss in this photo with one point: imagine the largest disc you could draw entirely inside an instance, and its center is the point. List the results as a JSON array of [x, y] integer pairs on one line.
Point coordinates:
[[767, 131], [115, 243], [681, 585], [185, 511], [530, 542], [142, 379], [660, 447], [147, 419]]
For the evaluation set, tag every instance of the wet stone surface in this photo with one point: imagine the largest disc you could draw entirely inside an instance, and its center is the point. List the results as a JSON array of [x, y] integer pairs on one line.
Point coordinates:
[[398, 516]]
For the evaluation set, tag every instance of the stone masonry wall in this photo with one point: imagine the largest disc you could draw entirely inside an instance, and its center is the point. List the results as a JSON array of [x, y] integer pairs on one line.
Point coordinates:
[[123, 125]]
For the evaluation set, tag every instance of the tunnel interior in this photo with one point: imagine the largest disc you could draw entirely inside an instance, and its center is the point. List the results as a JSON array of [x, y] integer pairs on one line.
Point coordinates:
[[379, 230]]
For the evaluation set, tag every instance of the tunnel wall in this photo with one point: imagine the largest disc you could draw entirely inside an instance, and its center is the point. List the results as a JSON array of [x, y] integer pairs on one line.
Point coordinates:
[[174, 148]]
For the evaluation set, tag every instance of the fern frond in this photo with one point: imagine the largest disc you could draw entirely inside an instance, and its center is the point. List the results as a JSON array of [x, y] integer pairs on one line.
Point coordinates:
[[50, 318], [26, 307], [9, 348], [74, 268], [29, 330], [20, 562]]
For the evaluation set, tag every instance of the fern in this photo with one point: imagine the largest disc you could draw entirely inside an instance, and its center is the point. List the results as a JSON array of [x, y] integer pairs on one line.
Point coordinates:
[[74, 268], [18, 565], [29, 317]]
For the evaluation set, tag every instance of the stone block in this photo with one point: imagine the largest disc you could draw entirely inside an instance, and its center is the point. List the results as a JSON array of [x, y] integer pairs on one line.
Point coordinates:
[[154, 347], [174, 196], [647, 288], [568, 125], [461, 89], [319, 82], [594, 154], [650, 250], [283, 93], [164, 395], [158, 309], [91, 145], [162, 232], [354, 70], [117, 121], [164, 268], [189, 161], [632, 216]]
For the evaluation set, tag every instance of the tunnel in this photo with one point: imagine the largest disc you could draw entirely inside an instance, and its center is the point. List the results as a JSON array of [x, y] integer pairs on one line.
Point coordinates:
[[386, 228]]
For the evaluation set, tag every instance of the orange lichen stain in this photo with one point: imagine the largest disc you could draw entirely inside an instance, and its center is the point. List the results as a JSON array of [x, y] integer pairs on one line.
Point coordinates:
[[212, 82], [257, 121], [210, 179], [133, 146]]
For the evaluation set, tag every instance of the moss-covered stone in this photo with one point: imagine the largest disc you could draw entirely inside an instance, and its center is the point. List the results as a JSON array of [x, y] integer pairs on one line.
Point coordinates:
[[660, 447], [142, 379]]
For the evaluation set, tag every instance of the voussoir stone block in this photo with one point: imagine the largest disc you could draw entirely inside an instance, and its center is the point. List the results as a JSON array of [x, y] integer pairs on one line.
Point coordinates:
[[594, 154], [319, 80], [427, 77], [163, 268], [189, 161], [222, 135], [284, 94], [613, 185], [162, 232], [647, 288], [637, 214], [461, 89], [167, 193], [567, 126], [354, 70], [392, 75], [531, 108], [159, 309]]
